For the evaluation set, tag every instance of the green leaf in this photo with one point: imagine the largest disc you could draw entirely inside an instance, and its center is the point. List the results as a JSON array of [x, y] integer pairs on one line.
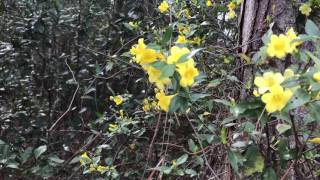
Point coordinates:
[[195, 97], [312, 29], [56, 159], [233, 161], [182, 159], [192, 146], [186, 57], [191, 172], [299, 98], [167, 71], [165, 169], [167, 35], [269, 174], [313, 57], [222, 101], [223, 136], [26, 154], [158, 64], [282, 128], [40, 150], [255, 161]]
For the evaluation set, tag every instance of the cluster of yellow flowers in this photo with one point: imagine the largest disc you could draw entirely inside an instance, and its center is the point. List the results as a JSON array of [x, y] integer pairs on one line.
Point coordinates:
[[273, 94], [86, 160], [148, 105], [183, 32], [283, 44], [186, 69], [231, 6]]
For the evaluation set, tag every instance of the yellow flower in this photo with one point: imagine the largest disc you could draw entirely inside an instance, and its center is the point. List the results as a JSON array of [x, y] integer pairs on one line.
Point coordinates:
[[143, 55], [231, 6], [92, 168], [276, 99], [316, 76], [176, 54], [209, 3], [187, 13], [305, 9], [84, 159], [183, 29], [291, 34], [197, 40], [255, 93], [164, 101], [154, 77], [239, 2], [117, 99], [187, 72], [102, 169], [315, 140], [268, 80], [231, 14], [139, 47], [288, 73], [121, 112], [146, 105], [182, 40], [279, 46], [164, 6], [113, 127], [134, 24]]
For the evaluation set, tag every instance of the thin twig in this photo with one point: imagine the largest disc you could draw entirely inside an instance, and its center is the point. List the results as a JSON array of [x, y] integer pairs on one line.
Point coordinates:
[[72, 100]]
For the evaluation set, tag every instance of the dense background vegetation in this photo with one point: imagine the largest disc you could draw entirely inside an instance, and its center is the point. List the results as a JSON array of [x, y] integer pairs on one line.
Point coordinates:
[[61, 60]]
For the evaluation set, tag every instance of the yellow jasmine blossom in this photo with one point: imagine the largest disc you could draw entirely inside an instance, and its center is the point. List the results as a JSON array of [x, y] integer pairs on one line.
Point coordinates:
[[134, 24], [255, 93], [279, 46], [164, 101], [187, 13], [239, 2], [164, 6], [102, 169], [121, 112], [197, 40], [187, 73], [209, 3], [84, 159], [316, 76], [113, 127], [288, 73], [143, 55], [276, 99], [268, 80], [146, 105], [176, 54], [139, 47], [92, 168], [291, 34], [117, 99], [231, 14], [231, 6], [182, 39], [154, 77], [183, 29], [305, 9], [315, 140]]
